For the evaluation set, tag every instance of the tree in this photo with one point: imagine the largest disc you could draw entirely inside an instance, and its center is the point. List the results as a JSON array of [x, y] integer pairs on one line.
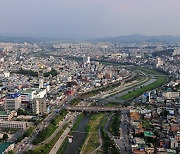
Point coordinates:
[[164, 113], [11, 152], [5, 137], [21, 112]]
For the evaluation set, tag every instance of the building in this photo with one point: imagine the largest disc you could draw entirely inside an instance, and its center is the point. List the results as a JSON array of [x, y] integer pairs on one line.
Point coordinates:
[[176, 52], [86, 60], [39, 106], [12, 102], [41, 82], [5, 147], [159, 62], [41, 93], [171, 95], [70, 92], [13, 124], [174, 143], [7, 115], [134, 115], [6, 74]]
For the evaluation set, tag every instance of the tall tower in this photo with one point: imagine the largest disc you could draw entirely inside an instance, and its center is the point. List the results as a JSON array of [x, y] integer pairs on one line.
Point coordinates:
[[41, 83], [149, 97], [41, 75]]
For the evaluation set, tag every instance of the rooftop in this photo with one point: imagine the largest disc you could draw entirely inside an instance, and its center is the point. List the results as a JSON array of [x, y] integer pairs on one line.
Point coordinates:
[[27, 91], [4, 146], [2, 113]]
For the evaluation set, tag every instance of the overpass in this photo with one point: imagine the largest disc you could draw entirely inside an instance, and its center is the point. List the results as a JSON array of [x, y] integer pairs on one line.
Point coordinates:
[[94, 109]]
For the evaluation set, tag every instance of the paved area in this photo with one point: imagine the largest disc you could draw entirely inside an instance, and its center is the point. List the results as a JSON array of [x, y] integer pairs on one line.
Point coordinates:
[[123, 143], [63, 136], [26, 143], [69, 117]]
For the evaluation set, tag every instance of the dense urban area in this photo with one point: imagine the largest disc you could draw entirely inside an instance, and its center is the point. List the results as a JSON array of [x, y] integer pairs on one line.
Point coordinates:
[[60, 97]]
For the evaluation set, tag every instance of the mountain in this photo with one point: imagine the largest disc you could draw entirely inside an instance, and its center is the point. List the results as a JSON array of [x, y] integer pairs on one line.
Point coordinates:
[[5, 37], [141, 38], [23, 38]]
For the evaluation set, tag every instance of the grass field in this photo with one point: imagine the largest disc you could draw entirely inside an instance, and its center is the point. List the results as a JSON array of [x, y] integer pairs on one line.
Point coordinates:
[[160, 81], [92, 139], [150, 71], [46, 148], [49, 130]]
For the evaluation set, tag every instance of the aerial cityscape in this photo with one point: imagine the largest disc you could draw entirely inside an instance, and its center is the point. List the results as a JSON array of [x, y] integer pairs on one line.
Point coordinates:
[[87, 89]]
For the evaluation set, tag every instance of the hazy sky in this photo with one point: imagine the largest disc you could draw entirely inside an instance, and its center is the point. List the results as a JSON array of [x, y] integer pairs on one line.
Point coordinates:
[[89, 18]]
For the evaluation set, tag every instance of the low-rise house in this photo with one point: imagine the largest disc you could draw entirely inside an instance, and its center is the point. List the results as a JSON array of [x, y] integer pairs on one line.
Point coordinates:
[[149, 150], [174, 143], [7, 115]]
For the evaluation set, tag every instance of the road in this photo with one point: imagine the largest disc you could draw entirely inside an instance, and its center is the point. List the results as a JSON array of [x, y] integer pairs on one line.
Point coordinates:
[[26, 144], [18, 134], [107, 126], [69, 117], [112, 98], [63, 136], [123, 143], [93, 109]]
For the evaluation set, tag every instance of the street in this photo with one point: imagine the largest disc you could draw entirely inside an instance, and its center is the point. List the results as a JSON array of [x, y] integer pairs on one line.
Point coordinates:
[[123, 142]]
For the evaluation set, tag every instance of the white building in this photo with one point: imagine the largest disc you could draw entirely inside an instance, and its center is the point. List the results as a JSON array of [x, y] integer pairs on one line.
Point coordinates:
[[6, 74], [39, 93], [159, 62], [13, 124], [176, 52], [41, 82], [171, 95], [86, 60]]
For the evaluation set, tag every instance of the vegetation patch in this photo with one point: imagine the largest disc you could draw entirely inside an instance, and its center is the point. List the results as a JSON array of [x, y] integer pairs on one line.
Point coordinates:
[[102, 89], [160, 81], [107, 144], [26, 134], [32, 73], [46, 148], [114, 124], [92, 139], [49, 130], [75, 101]]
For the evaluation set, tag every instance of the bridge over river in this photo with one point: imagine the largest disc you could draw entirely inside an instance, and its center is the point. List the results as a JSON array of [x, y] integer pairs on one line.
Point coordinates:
[[95, 109]]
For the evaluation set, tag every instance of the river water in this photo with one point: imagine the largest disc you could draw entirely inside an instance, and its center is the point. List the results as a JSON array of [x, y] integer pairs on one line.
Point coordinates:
[[78, 137]]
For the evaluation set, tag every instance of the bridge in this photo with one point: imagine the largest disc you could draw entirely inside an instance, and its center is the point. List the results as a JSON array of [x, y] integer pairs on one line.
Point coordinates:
[[94, 109]]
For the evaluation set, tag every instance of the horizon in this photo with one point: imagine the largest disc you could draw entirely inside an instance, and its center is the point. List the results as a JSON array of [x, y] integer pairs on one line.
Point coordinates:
[[10, 35]]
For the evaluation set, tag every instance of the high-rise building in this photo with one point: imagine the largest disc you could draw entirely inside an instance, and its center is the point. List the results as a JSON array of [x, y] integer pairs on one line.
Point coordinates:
[[39, 106]]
